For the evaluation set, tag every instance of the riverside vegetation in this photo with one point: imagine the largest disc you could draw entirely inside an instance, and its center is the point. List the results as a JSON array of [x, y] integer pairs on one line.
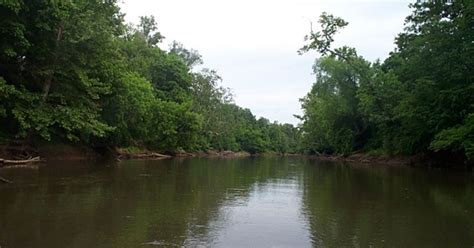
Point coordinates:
[[75, 72], [420, 99]]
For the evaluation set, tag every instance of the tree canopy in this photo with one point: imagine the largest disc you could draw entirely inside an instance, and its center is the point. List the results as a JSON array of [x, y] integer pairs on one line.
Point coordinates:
[[74, 71], [420, 99]]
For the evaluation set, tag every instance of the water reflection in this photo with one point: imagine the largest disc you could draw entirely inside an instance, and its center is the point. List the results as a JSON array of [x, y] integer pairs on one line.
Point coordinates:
[[255, 202], [364, 206]]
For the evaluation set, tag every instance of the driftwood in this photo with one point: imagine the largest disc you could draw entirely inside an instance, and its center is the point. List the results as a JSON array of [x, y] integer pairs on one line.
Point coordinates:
[[4, 162], [145, 155], [3, 180], [23, 161]]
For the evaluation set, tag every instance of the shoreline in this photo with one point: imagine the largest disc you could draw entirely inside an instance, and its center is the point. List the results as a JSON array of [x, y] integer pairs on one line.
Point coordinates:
[[70, 152], [154, 155]]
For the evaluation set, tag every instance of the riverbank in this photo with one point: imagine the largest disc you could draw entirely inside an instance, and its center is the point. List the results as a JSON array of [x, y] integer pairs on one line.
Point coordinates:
[[126, 153], [18, 150], [432, 160], [47, 151], [368, 158]]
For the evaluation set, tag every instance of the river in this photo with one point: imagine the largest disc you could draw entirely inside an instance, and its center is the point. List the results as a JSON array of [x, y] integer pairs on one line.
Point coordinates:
[[244, 202]]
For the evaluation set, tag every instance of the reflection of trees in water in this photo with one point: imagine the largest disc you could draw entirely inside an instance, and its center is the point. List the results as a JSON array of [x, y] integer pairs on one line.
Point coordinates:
[[175, 202], [185, 202], [220, 183], [379, 206]]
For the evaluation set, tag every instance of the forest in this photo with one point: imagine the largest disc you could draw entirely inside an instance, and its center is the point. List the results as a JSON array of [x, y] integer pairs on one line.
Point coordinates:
[[76, 72], [418, 100]]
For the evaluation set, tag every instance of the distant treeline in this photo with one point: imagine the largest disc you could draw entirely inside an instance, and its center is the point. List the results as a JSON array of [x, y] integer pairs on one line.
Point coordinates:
[[74, 71], [420, 99]]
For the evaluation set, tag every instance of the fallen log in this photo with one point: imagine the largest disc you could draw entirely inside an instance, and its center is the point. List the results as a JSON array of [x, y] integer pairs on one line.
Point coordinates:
[[23, 161], [158, 155], [3, 180], [144, 156]]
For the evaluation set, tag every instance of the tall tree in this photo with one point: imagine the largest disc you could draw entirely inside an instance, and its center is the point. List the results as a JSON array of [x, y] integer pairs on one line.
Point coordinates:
[[57, 64]]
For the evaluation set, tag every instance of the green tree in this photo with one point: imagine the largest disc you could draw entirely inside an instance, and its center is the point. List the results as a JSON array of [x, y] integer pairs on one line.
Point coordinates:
[[58, 60], [72, 71], [433, 60], [420, 98]]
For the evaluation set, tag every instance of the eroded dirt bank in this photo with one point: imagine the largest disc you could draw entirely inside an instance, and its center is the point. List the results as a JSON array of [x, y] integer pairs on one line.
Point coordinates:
[[47, 151]]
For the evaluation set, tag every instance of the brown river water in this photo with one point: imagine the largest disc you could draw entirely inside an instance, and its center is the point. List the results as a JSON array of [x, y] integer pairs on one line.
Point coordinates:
[[242, 202]]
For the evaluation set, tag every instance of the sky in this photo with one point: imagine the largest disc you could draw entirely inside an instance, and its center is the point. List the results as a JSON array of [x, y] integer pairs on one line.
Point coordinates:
[[253, 44]]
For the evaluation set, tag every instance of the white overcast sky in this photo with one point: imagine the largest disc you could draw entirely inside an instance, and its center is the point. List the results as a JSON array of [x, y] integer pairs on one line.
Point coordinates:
[[252, 43]]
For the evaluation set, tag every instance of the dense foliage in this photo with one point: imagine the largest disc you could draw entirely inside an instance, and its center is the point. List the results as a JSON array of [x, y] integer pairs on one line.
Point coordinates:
[[421, 98], [73, 71]]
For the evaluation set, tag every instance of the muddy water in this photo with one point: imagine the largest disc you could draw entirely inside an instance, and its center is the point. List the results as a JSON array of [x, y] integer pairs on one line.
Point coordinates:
[[248, 202]]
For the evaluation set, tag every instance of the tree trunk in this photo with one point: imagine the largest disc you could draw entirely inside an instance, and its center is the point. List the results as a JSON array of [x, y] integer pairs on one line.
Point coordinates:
[[24, 161], [49, 78], [3, 180]]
